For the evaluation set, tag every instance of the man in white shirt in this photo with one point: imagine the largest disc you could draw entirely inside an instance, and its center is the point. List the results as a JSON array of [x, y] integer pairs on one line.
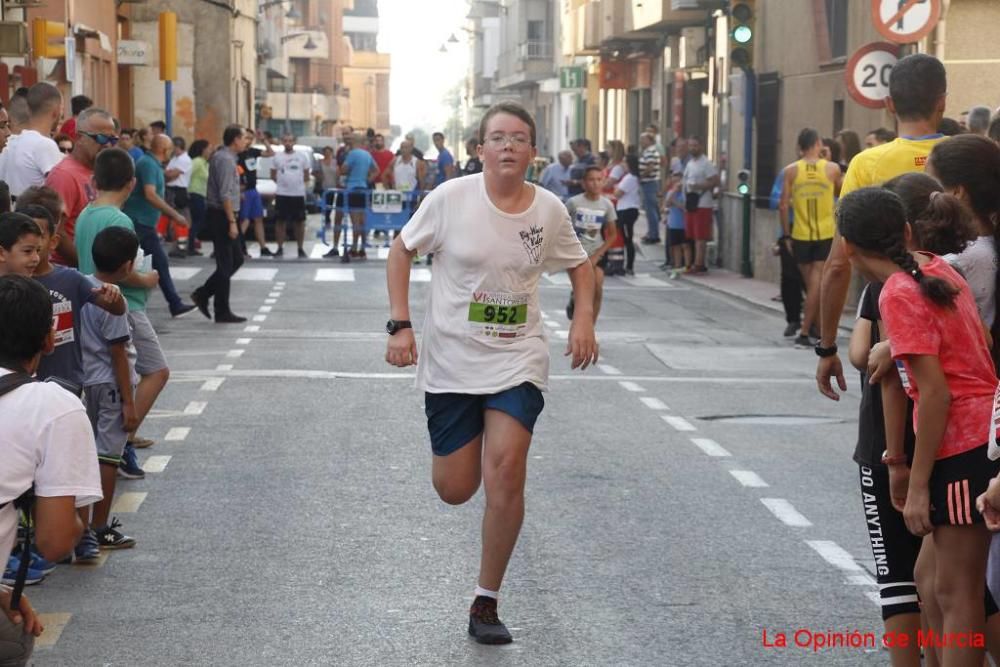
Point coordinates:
[[484, 356], [290, 172], [46, 441], [178, 177], [27, 161]]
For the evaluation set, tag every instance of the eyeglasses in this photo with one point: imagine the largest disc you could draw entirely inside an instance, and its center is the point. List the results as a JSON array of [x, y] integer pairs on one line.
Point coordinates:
[[518, 142], [65, 149], [101, 138]]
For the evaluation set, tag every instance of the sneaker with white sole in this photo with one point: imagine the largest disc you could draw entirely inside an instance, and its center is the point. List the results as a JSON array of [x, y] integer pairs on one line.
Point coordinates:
[[110, 537], [128, 467]]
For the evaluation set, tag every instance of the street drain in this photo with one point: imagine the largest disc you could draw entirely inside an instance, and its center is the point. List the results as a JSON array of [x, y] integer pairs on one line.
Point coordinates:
[[772, 420]]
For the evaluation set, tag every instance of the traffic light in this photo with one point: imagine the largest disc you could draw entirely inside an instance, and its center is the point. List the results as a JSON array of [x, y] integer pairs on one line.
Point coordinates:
[[168, 46], [741, 34], [42, 32], [743, 182]]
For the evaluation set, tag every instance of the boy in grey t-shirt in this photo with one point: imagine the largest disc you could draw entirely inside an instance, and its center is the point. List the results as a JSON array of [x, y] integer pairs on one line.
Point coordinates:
[[109, 379], [594, 219]]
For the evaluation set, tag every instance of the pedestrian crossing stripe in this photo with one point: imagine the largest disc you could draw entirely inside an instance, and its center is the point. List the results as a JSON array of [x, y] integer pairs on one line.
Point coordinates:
[[254, 274]]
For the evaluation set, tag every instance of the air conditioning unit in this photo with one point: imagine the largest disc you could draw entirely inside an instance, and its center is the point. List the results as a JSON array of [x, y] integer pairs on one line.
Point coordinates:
[[13, 38]]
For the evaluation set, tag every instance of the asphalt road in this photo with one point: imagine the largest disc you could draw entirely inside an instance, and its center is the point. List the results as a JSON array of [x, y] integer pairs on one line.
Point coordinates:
[[294, 522]]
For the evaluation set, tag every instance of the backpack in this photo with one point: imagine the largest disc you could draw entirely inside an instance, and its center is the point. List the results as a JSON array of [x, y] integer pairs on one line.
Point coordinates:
[[22, 503]]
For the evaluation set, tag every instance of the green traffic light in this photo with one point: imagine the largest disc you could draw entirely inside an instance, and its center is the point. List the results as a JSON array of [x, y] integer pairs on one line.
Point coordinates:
[[742, 34], [743, 188]]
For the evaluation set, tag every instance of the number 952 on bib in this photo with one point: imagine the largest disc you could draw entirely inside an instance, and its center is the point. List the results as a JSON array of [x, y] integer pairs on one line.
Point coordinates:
[[498, 314]]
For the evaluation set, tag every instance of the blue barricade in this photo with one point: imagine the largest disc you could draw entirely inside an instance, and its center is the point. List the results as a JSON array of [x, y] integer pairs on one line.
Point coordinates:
[[376, 219]]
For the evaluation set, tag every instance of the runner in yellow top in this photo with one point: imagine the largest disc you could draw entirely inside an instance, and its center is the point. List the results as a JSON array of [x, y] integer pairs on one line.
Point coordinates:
[[918, 86], [811, 184]]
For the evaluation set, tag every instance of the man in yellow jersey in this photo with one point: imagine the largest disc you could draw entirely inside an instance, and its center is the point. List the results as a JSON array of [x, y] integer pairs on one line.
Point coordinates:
[[917, 89], [811, 184]]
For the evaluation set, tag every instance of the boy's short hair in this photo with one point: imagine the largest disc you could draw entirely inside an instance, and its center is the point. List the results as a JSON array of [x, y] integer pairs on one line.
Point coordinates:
[[593, 167], [14, 226], [36, 213], [113, 170], [42, 195], [26, 311], [113, 246]]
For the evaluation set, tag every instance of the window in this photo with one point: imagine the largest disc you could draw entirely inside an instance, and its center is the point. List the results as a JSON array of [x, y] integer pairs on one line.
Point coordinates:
[[838, 116], [836, 24], [768, 135], [536, 31]]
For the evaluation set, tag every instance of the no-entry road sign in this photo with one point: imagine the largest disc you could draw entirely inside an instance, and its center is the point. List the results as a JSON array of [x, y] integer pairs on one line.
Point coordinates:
[[905, 21]]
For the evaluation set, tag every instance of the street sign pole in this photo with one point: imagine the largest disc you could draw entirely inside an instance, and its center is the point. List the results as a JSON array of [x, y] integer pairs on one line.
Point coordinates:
[[746, 266]]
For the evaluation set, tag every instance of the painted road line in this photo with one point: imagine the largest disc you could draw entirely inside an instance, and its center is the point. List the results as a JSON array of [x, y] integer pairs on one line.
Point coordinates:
[[259, 318], [318, 250], [334, 275], [653, 403], [184, 272], [128, 502], [274, 295], [678, 423], [265, 309], [177, 433], [631, 386], [608, 369], [420, 275], [280, 283], [562, 334], [224, 367], [101, 559], [54, 624], [255, 274], [252, 328], [195, 407], [212, 384], [833, 554], [861, 580], [243, 341], [234, 354], [787, 514], [270, 302], [645, 280], [748, 478], [155, 463], [710, 447]]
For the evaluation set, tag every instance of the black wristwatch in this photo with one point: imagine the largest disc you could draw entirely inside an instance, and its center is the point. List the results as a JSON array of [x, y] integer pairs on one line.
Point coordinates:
[[825, 351], [392, 326]]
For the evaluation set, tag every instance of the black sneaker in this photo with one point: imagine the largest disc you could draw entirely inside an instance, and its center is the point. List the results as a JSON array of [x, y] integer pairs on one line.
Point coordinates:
[[111, 538], [183, 310], [803, 342], [332, 252], [265, 251], [201, 301], [792, 329], [280, 252], [484, 624], [302, 254], [229, 318]]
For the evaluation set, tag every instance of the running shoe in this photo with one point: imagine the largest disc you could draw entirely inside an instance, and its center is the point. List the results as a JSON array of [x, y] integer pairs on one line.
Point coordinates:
[[112, 538], [484, 624], [128, 467], [201, 301], [332, 252], [280, 252], [792, 329], [39, 563], [302, 254], [87, 548], [803, 342], [362, 254], [265, 251], [9, 577], [177, 253], [629, 272], [141, 443]]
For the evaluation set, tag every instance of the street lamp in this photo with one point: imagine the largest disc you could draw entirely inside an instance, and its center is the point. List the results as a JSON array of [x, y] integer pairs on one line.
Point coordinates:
[[310, 45]]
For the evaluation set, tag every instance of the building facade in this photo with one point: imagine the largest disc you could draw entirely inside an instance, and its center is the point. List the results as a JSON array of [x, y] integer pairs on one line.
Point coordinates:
[[366, 74]]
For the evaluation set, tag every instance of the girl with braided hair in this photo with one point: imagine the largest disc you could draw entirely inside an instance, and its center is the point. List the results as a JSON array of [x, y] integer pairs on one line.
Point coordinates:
[[944, 365]]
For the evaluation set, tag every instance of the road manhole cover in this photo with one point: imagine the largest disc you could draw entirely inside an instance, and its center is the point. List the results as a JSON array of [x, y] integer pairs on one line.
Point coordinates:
[[773, 420]]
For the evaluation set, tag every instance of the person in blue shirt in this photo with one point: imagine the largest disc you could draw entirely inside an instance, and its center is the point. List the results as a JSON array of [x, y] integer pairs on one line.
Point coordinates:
[[359, 168], [445, 160]]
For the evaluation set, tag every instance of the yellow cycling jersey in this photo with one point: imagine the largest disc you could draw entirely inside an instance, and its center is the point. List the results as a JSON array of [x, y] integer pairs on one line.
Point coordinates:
[[877, 165], [812, 200]]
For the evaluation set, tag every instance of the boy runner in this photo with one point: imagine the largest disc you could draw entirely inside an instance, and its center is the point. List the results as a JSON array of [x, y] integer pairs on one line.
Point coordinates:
[[593, 217], [484, 354]]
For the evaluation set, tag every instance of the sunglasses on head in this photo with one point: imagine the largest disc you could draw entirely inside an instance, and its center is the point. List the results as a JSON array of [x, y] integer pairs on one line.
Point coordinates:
[[102, 139]]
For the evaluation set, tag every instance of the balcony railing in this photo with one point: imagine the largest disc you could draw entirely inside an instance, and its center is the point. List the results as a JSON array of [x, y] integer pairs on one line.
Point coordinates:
[[536, 50]]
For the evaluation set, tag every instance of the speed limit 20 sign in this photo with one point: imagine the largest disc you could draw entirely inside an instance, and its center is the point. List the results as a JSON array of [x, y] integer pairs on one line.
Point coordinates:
[[868, 73]]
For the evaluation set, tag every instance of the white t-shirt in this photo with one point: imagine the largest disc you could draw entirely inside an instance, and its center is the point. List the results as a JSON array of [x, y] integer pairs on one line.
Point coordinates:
[[978, 263], [629, 185], [46, 440], [182, 162], [291, 168], [483, 332], [404, 174], [28, 160], [697, 170]]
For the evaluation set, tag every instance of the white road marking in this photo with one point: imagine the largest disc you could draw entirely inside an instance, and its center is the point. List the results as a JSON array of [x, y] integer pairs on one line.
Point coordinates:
[[631, 386], [608, 369], [787, 514], [558, 279], [833, 554], [861, 580], [184, 272], [678, 423], [128, 503], [562, 334], [318, 250], [243, 341], [195, 407], [54, 624], [212, 384], [257, 274], [234, 354], [645, 280], [155, 463], [420, 275], [224, 367], [280, 283], [177, 433], [270, 302], [274, 295], [710, 447], [748, 478], [653, 403], [259, 318], [253, 328], [265, 309], [334, 275]]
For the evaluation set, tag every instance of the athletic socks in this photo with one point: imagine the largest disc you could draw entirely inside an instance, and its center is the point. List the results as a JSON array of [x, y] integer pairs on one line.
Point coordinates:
[[480, 591]]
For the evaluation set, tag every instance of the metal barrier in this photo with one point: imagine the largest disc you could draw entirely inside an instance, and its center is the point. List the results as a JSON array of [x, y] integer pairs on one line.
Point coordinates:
[[385, 211]]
